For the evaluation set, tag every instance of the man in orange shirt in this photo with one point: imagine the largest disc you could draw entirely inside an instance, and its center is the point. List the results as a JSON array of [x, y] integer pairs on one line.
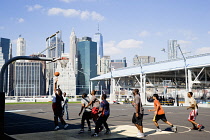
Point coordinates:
[[160, 114]]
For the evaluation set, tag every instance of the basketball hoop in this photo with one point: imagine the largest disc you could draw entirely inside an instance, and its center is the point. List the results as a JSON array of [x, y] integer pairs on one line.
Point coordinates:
[[167, 83], [63, 61]]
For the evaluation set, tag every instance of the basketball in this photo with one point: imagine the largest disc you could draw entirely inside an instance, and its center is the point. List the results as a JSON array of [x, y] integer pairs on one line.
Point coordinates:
[[56, 73]]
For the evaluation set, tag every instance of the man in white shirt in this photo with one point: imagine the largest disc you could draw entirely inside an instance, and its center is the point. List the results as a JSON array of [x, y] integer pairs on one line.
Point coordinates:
[[194, 112], [65, 105]]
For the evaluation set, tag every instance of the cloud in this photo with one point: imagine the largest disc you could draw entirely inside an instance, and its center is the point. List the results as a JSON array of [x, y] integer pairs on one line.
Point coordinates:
[[34, 7], [114, 48], [20, 20], [110, 48], [208, 32], [144, 34], [130, 43], [203, 50], [68, 1], [1, 27], [76, 13]]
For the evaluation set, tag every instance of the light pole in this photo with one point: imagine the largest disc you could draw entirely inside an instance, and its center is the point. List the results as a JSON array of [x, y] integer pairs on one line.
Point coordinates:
[[185, 68], [142, 79], [88, 76]]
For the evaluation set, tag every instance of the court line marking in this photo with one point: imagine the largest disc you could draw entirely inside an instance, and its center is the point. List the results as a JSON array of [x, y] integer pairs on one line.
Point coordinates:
[[15, 110]]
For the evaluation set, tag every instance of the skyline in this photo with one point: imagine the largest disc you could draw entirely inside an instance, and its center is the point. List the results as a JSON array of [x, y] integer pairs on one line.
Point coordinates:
[[139, 27]]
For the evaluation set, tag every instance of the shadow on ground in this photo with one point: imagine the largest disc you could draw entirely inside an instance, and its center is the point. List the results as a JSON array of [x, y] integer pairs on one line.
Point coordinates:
[[22, 124]]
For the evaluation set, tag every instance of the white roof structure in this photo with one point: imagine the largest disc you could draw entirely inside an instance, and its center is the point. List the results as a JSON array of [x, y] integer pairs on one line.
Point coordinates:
[[196, 61]]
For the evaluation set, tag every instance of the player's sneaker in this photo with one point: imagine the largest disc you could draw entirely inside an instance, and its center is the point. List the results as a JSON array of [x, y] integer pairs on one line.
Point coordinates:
[[81, 131], [65, 126], [107, 132], [140, 135], [56, 128], [94, 135], [174, 129], [200, 127], [158, 130]]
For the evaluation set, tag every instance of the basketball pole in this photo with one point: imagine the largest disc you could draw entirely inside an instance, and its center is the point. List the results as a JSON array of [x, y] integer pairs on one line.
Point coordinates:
[[2, 93]]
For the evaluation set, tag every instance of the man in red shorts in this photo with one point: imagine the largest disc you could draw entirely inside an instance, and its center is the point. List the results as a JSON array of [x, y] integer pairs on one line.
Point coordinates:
[[194, 112]]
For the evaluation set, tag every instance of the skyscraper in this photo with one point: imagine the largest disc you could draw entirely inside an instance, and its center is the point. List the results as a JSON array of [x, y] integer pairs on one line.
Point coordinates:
[[100, 52], [21, 47], [55, 45], [5, 45], [87, 60], [55, 48], [10, 74], [172, 49], [29, 79], [73, 51], [99, 39], [67, 79]]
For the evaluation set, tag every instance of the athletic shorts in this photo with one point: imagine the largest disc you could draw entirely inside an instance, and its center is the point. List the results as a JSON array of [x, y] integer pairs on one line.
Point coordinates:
[[193, 114], [137, 120], [94, 110], [58, 110], [160, 117]]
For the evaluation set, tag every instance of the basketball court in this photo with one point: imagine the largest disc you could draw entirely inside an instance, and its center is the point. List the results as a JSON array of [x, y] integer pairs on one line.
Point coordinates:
[[35, 121]]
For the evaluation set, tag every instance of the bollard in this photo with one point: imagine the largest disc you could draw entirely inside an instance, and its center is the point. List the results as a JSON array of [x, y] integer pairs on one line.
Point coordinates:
[[177, 100]]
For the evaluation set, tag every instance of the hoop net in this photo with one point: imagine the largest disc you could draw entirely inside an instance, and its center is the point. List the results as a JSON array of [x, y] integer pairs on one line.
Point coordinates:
[[63, 61]]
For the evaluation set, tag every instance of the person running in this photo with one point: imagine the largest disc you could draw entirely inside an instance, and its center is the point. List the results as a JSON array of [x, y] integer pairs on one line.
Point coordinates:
[[138, 114], [160, 114], [95, 104], [65, 105], [57, 107], [86, 114], [104, 112], [194, 112]]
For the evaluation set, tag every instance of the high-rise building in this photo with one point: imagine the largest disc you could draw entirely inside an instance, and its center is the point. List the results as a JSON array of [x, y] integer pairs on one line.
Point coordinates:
[[21, 46], [98, 38], [55, 48], [55, 45], [2, 61], [66, 79], [105, 65], [100, 52], [73, 51], [172, 49], [87, 60], [138, 60], [5, 45], [29, 79], [10, 74], [118, 63]]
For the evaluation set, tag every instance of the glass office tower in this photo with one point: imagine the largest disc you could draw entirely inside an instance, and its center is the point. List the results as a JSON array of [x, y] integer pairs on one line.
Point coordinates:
[[5, 45], [87, 60], [99, 39]]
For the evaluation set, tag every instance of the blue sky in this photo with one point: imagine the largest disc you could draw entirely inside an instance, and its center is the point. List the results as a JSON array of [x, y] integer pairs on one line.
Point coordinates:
[[129, 27]]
